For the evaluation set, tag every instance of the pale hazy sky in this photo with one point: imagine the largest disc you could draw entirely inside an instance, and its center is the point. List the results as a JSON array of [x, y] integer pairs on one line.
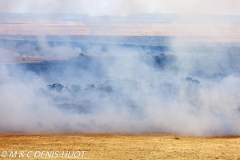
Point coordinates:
[[122, 7]]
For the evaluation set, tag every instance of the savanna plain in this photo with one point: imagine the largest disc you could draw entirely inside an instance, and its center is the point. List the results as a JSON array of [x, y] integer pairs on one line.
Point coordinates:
[[120, 146], [108, 146]]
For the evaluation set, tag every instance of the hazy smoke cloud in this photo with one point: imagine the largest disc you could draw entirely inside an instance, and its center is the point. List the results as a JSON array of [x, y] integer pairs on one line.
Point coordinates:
[[185, 89], [122, 7]]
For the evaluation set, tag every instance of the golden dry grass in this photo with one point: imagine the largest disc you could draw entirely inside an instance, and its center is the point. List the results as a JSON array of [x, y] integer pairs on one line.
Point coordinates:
[[127, 146]]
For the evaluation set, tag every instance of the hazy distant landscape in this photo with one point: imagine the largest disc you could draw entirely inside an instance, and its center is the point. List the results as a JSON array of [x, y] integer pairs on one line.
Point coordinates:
[[198, 27]]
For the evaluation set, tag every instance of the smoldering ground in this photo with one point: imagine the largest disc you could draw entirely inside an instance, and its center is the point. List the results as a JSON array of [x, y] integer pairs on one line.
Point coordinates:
[[181, 89]]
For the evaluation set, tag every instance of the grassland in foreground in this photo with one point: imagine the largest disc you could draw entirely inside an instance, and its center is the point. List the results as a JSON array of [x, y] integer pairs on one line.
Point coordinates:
[[125, 146]]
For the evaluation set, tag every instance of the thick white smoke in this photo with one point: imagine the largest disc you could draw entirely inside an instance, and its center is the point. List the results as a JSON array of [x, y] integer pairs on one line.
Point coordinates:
[[186, 90], [189, 88]]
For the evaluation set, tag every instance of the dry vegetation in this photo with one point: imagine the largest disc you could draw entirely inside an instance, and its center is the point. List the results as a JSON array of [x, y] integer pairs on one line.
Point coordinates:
[[221, 32], [127, 146]]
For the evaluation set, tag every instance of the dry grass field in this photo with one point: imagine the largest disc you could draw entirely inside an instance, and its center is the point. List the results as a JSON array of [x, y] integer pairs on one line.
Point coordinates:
[[216, 32], [122, 146]]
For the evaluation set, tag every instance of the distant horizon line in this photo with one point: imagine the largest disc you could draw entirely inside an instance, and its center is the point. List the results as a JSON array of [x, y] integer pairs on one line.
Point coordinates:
[[138, 13]]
